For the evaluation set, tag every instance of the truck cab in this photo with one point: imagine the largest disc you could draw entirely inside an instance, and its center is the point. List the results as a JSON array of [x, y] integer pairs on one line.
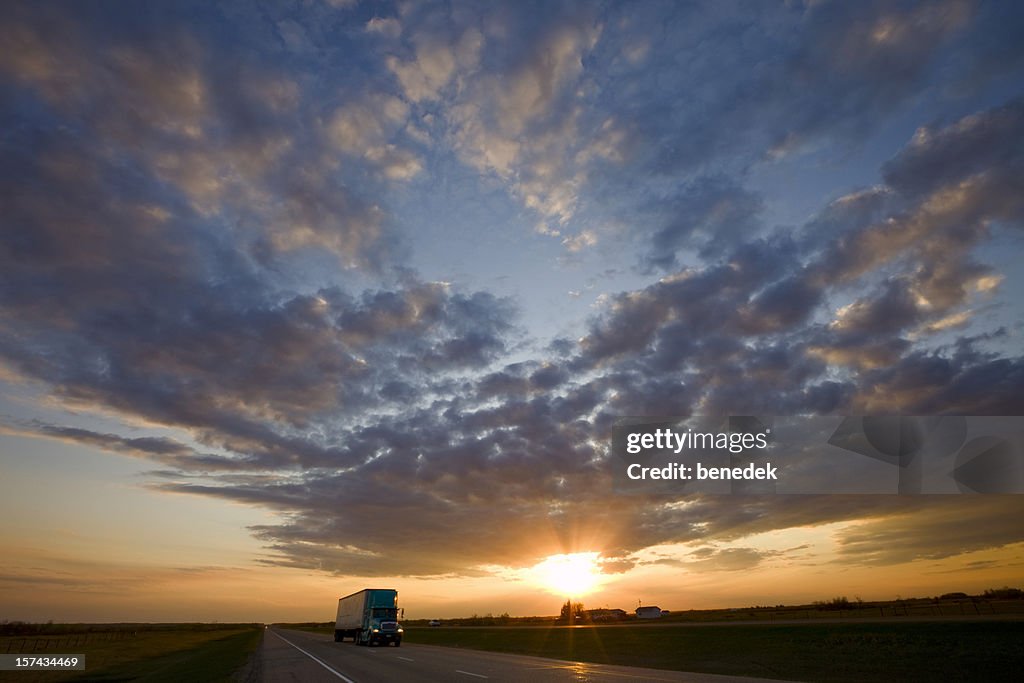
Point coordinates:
[[383, 627]]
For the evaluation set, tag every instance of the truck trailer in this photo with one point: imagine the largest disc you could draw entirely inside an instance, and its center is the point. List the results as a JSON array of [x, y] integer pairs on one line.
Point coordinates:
[[369, 617]]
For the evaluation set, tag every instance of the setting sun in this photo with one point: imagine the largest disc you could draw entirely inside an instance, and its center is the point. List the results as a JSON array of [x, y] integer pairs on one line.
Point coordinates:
[[569, 575]]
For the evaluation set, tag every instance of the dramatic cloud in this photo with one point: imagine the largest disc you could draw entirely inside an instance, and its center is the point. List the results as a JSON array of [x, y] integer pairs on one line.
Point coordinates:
[[215, 223], [906, 537]]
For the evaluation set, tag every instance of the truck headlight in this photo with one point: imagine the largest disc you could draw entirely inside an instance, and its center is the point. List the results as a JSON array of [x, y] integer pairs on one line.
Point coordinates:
[[376, 630], [401, 630]]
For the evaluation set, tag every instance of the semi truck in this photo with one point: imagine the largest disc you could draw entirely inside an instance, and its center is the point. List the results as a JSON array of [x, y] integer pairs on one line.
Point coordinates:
[[369, 617]]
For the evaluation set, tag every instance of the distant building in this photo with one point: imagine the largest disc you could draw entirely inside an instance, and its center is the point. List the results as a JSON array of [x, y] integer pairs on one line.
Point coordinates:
[[649, 612]]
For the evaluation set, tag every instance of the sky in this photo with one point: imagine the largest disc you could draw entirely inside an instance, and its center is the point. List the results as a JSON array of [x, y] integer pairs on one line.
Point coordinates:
[[299, 298]]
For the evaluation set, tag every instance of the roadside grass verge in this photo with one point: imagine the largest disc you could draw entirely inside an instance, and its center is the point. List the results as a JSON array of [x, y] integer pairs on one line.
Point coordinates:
[[911, 651], [157, 656]]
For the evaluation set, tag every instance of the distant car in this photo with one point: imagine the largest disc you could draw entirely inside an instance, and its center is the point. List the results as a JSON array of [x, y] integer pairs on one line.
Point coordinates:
[[434, 622]]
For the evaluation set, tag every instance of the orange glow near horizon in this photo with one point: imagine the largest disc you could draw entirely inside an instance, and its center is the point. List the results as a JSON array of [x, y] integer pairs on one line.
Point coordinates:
[[573, 575]]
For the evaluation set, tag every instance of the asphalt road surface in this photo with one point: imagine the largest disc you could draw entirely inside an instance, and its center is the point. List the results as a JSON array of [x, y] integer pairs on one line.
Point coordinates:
[[293, 656]]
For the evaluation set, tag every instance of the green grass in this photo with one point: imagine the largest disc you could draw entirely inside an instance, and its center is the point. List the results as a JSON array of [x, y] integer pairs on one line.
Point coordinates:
[[910, 651], [157, 656]]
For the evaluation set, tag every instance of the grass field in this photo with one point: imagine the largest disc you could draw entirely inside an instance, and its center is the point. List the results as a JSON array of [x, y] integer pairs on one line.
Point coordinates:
[[156, 653], [909, 651]]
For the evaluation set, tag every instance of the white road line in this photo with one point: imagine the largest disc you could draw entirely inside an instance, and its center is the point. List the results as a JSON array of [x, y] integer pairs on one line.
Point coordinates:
[[315, 659], [406, 659], [592, 670], [469, 673]]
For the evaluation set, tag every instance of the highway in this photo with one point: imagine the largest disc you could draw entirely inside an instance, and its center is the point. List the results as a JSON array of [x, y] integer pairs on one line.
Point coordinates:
[[292, 656]]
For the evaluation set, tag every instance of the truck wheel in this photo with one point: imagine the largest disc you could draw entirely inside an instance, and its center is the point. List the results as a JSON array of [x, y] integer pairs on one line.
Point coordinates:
[[398, 643], [338, 636]]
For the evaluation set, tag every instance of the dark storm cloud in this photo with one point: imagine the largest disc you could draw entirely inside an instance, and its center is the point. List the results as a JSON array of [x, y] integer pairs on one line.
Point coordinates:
[[890, 310], [167, 174], [980, 525], [146, 308], [941, 202], [163, 450], [699, 301], [924, 383], [522, 378], [978, 144], [706, 215], [780, 306]]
